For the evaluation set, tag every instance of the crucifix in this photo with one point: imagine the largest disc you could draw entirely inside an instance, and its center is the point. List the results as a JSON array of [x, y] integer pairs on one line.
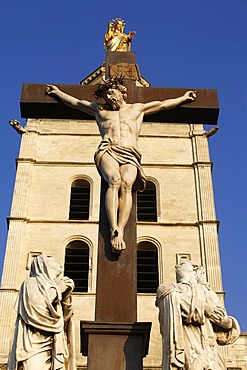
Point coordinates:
[[117, 157], [115, 339]]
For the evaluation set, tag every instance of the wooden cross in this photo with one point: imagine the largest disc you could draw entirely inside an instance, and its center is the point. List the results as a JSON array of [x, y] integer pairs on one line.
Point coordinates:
[[115, 338]]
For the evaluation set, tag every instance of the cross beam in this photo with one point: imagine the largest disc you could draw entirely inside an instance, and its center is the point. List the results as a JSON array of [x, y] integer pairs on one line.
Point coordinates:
[[205, 109]]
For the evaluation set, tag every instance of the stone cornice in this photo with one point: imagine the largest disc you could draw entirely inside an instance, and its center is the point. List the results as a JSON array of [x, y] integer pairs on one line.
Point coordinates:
[[91, 163], [155, 224], [196, 223], [8, 290]]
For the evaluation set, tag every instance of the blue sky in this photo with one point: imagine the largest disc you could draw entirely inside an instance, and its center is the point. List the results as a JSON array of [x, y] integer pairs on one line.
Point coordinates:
[[191, 44]]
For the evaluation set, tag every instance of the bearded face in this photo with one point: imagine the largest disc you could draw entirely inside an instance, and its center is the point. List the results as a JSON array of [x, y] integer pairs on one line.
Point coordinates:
[[114, 98], [115, 104]]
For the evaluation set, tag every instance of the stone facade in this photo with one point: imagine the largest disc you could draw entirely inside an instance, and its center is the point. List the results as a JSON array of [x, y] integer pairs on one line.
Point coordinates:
[[53, 154]]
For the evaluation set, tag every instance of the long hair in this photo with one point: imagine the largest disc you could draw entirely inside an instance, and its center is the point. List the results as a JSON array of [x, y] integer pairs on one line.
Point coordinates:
[[113, 82]]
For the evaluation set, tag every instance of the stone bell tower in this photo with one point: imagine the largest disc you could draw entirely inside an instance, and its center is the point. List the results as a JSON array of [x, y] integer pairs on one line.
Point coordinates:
[[56, 201]]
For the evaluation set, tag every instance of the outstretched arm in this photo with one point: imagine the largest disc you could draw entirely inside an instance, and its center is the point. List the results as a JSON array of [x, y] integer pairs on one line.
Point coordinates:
[[156, 106], [72, 102]]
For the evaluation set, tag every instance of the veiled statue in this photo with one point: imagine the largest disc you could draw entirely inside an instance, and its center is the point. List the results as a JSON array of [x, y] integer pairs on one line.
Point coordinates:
[[44, 336], [193, 322]]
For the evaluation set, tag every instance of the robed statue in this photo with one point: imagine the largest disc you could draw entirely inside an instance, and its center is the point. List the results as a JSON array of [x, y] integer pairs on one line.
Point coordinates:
[[193, 322], [115, 38], [44, 335]]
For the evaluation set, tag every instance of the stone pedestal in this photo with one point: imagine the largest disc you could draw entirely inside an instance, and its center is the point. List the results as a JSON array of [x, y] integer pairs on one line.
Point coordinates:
[[115, 346]]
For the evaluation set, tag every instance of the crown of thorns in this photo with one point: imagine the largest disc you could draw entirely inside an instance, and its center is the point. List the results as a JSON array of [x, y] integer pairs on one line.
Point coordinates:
[[111, 83]]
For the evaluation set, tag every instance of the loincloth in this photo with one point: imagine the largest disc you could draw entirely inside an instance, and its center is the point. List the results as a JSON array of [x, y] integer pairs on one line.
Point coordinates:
[[123, 155]]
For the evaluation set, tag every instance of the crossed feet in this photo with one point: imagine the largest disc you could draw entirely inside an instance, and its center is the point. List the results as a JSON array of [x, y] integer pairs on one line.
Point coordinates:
[[117, 242]]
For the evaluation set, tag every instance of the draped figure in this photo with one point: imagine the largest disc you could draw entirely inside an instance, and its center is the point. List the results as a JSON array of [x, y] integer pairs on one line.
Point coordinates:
[[115, 38], [44, 334], [193, 322]]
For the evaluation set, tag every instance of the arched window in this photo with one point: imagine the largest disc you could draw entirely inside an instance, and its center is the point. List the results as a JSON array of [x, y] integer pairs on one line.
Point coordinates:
[[146, 203], [76, 264], [147, 268], [79, 200]]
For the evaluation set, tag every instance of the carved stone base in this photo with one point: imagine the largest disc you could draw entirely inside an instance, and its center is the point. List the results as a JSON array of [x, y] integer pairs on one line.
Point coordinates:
[[118, 346]]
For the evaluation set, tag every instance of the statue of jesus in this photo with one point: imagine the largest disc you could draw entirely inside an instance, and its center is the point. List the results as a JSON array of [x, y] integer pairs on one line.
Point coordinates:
[[117, 157]]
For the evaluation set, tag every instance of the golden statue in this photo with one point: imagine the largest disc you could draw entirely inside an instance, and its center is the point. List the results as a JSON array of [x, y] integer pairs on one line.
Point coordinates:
[[115, 38]]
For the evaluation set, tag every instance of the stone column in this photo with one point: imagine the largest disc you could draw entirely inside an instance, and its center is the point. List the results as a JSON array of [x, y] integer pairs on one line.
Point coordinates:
[[208, 225]]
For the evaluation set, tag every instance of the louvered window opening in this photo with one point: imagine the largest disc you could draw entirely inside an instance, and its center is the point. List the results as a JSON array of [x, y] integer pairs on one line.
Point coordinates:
[[77, 265], [79, 200], [147, 268], [146, 203]]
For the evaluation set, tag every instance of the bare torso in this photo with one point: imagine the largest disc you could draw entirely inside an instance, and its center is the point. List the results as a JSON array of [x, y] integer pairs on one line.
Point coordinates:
[[123, 125]]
